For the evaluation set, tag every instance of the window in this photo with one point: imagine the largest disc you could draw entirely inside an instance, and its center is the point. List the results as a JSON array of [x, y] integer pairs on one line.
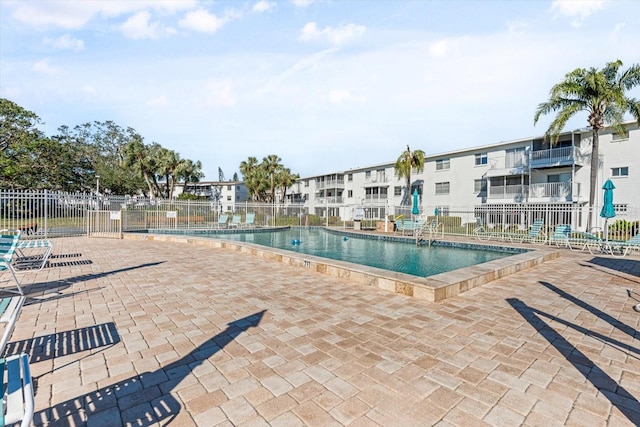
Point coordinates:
[[306, 183], [620, 136], [442, 188], [443, 164], [367, 174], [228, 187], [350, 177], [228, 198], [479, 185], [350, 193], [481, 159], [623, 171], [397, 191]]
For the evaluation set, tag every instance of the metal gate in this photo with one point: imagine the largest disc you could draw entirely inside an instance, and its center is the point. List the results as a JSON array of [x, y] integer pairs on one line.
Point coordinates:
[[104, 224]]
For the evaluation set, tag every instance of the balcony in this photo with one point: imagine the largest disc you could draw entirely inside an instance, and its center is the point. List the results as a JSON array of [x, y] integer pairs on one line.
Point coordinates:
[[375, 198], [545, 192], [512, 164], [330, 183], [331, 200], [564, 156], [376, 181]]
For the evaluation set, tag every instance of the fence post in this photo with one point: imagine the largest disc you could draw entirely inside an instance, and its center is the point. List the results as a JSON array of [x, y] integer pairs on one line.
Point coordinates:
[[46, 210]]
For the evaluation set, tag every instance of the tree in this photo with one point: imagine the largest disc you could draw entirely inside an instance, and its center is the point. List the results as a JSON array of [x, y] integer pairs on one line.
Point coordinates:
[[272, 166], [601, 93], [406, 163], [249, 170], [286, 179]]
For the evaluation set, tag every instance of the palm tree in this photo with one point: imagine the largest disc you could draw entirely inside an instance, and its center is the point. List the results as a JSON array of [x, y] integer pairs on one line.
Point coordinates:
[[601, 93], [286, 179], [272, 167], [408, 161], [248, 169]]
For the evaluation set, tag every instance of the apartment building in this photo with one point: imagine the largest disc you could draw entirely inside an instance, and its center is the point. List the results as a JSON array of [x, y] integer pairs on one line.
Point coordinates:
[[524, 171], [225, 194]]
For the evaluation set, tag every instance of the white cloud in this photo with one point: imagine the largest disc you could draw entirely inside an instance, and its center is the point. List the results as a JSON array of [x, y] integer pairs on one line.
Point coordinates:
[[219, 94], [65, 42], [580, 9], [335, 36], [44, 67], [202, 21], [616, 31], [76, 14], [160, 101], [263, 6], [302, 3], [444, 47], [518, 27], [139, 26], [344, 97]]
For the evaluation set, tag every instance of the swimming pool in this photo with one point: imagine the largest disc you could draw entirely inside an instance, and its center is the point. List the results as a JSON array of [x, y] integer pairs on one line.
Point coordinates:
[[435, 287], [402, 256]]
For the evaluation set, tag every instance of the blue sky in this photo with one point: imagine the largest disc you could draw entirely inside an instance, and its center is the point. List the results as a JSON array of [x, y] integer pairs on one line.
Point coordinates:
[[326, 85]]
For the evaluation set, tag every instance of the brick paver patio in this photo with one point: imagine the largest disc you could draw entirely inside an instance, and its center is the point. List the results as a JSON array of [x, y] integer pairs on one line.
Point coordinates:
[[132, 332]]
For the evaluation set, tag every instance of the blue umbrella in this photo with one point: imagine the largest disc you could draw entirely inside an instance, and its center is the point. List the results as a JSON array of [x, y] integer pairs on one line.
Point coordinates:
[[607, 209], [416, 209]]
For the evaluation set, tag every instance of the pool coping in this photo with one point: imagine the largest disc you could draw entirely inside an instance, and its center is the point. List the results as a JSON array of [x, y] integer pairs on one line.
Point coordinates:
[[432, 288]]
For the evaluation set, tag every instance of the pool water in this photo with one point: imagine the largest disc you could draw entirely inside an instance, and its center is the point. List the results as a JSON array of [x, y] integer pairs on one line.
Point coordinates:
[[401, 257]]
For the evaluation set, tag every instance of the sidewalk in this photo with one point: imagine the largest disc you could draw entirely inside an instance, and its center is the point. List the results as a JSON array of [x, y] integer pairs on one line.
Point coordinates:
[[132, 332]]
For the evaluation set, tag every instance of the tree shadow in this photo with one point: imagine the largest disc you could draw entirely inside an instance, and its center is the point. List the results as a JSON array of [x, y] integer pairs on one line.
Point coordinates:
[[67, 283], [621, 326], [624, 265], [144, 399], [619, 397]]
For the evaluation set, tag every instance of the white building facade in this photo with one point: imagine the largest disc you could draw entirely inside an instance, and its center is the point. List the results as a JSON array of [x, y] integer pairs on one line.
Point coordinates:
[[524, 172]]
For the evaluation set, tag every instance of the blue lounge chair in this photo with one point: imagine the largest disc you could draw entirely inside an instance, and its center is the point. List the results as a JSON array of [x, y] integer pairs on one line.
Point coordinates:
[[17, 386], [249, 220], [561, 235], [581, 240], [535, 234], [235, 221], [10, 308], [222, 221], [482, 233], [8, 245], [617, 248]]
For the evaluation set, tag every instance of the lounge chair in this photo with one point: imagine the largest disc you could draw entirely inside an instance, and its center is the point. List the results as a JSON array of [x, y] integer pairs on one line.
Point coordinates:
[[581, 240], [482, 233], [249, 220], [17, 386], [535, 234], [235, 221], [222, 221], [561, 235], [617, 248], [32, 261], [10, 308], [8, 244]]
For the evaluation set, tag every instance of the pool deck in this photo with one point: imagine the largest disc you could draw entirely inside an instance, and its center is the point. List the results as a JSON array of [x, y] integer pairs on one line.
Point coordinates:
[[154, 333]]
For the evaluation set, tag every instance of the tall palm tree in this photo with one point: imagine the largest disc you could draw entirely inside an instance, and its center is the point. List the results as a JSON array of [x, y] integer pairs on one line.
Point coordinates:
[[601, 93], [407, 162], [272, 167], [286, 179], [248, 169]]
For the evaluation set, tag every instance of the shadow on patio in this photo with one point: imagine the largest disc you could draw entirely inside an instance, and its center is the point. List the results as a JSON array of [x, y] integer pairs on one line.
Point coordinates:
[[144, 399]]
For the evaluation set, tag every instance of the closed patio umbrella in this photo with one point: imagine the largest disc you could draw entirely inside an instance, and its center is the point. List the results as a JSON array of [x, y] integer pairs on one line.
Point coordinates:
[[608, 210], [416, 209]]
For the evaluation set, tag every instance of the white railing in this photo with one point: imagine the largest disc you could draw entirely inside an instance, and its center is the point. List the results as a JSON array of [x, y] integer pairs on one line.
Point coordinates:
[[67, 214], [553, 156], [331, 183]]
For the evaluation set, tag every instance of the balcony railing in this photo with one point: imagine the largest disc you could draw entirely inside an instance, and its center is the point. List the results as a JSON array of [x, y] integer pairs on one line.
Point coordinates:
[[372, 198], [375, 179], [556, 157], [551, 191], [331, 183], [330, 200]]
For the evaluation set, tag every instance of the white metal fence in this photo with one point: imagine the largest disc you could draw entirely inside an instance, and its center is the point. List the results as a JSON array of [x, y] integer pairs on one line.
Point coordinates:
[[52, 214]]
